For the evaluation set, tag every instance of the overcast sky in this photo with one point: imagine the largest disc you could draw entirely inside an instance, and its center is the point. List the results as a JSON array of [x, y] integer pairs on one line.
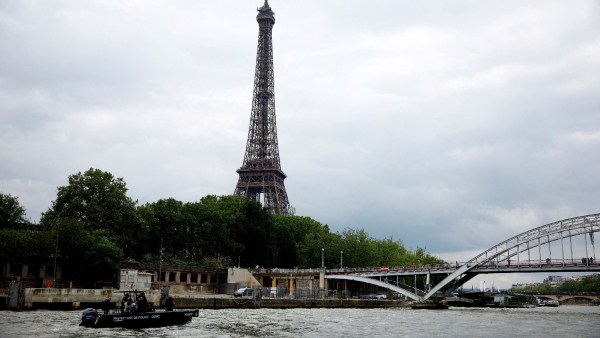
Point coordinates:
[[450, 125]]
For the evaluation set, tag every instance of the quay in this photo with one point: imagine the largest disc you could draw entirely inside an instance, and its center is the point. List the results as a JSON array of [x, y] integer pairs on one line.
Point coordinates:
[[277, 303], [72, 299]]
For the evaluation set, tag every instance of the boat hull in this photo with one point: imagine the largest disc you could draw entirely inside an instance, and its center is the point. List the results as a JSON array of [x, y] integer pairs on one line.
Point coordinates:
[[142, 320]]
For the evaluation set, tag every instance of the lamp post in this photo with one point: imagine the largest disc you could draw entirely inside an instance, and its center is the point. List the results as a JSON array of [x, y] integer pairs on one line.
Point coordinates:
[[55, 255], [341, 259], [160, 261], [322, 258]]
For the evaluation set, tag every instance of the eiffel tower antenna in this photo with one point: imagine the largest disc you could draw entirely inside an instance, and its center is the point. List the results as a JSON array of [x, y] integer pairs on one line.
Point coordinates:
[[261, 172]]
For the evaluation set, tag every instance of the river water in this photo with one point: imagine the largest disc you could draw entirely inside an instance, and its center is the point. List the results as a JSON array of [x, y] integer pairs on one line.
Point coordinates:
[[563, 321]]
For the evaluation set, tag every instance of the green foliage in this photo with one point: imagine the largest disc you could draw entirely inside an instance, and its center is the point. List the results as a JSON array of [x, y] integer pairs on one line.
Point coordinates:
[[238, 228], [219, 263], [73, 239], [98, 201], [309, 240], [242, 230], [103, 256], [301, 241], [89, 255], [423, 258], [12, 214], [91, 223], [96, 226], [585, 284], [230, 226], [358, 249], [85, 256], [20, 245], [545, 288]]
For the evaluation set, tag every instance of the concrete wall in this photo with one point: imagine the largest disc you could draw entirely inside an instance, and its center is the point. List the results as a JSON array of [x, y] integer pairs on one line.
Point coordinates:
[[241, 276], [78, 296], [247, 303], [181, 288]]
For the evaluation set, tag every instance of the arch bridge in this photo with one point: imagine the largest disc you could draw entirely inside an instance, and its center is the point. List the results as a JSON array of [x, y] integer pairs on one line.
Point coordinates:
[[548, 248]]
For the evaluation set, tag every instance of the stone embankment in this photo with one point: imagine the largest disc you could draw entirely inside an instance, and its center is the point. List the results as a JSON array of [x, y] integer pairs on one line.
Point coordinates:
[[273, 303], [65, 299]]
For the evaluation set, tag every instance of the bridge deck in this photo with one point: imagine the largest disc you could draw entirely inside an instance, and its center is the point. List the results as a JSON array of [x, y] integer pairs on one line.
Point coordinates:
[[490, 268]]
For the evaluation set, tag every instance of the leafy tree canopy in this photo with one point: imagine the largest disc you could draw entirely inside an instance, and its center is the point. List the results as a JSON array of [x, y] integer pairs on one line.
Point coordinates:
[[12, 214], [584, 284], [98, 201], [96, 225], [230, 226], [20, 245]]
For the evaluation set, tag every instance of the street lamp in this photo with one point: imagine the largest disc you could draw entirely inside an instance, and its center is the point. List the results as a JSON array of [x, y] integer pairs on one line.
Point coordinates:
[[160, 261], [341, 259], [55, 256], [322, 258]]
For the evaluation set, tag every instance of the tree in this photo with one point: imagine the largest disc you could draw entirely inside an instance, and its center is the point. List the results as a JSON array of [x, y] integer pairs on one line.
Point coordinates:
[[229, 226], [358, 249], [12, 214], [302, 242], [250, 227], [585, 284], [163, 221], [88, 256], [103, 257], [19, 245], [99, 202], [392, 253]]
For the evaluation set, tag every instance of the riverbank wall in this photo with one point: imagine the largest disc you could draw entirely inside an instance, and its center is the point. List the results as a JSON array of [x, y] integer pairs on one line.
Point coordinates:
[[274, 303], [66, 299], [70, 299]]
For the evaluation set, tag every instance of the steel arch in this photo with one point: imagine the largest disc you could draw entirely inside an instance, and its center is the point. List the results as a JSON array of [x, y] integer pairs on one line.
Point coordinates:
[[378, 283], [527, 240]]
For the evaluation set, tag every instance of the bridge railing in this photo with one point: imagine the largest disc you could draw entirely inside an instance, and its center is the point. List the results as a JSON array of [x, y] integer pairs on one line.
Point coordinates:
[[364, 270], [285, 271], [542, 263], [556, 262], [392, 269]]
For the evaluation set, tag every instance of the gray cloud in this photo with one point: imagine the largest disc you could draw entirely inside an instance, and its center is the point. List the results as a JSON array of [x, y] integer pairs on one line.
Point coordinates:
[[449, 126]]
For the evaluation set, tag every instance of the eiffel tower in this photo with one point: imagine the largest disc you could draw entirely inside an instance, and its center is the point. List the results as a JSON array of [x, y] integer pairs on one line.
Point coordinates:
[[261, 172]]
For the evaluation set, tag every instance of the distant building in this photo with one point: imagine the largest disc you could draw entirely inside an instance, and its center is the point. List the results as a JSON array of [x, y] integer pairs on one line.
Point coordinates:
[[525, 285], [554, 281], [132, 279]]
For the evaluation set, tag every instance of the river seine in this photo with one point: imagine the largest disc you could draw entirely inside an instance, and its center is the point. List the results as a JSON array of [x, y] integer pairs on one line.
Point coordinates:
[[564, 321]]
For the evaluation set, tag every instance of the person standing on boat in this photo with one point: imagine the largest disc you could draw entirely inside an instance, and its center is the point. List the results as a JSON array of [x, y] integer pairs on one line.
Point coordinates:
[[142, 303], [128, 305], [131, 306], [106, 305], [124, 302], [170, 305]]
